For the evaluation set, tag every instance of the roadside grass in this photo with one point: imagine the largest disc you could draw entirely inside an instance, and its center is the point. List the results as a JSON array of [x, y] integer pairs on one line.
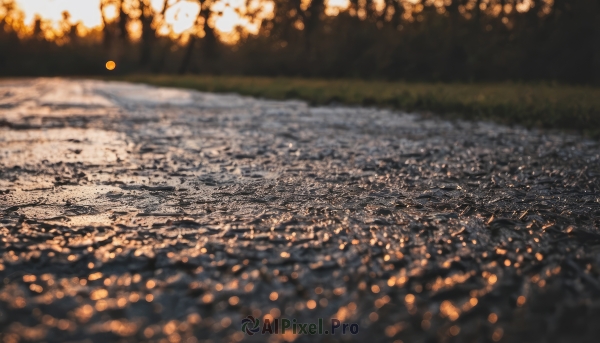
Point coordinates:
[[571, 108]]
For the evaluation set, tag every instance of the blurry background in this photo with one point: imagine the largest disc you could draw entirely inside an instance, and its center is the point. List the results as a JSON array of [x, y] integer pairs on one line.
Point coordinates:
[[414, 40]]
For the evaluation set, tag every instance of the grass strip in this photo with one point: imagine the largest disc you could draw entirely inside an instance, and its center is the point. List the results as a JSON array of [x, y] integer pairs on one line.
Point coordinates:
[[551, 106]]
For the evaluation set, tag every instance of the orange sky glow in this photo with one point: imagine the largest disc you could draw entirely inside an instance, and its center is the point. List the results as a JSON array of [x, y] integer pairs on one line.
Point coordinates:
[[227, 14], [180, 17]]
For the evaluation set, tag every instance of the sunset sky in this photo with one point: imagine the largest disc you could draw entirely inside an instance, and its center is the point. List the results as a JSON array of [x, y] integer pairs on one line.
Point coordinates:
[[86, 11], [181, 16]]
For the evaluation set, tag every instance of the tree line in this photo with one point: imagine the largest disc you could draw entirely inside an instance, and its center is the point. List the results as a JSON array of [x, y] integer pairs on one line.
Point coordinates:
[[424, 40]]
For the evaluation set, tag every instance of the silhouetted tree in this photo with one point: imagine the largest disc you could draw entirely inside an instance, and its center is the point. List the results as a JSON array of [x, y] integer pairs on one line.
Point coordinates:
[[208, 43], [123, 21], [148, 36]]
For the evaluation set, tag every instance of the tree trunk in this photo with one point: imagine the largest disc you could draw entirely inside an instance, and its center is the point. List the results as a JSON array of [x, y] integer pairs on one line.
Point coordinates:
[[187, 57], [148, 33], [123, 21], [106, 34], [208, 43]]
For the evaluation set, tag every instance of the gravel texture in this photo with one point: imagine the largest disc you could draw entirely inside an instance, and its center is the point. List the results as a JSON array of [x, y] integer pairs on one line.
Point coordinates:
[[133, 213]]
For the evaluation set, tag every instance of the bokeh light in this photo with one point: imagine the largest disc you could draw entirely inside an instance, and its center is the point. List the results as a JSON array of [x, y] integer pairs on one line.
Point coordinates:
[[111, 65]]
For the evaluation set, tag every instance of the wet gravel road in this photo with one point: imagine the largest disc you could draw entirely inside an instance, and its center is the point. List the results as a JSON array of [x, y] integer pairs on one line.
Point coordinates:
[[132, 213]]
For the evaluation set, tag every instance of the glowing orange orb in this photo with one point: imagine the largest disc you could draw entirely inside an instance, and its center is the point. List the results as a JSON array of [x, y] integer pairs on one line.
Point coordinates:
[[111, 65]]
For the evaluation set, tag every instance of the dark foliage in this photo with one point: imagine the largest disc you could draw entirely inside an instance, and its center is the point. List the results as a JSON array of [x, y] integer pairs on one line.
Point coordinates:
[[460, 41]]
